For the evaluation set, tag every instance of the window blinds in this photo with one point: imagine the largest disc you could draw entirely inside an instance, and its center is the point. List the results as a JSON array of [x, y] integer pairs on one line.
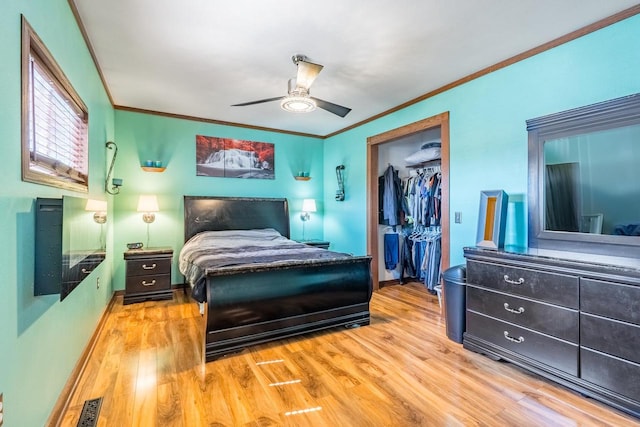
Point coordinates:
[[58, 127]]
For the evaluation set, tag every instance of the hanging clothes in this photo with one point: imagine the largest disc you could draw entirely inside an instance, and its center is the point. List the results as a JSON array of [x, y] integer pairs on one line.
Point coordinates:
[[423, 196], [421, 257], [420, 254], [391, 250], [431, 261], [392, 205], [406, 267], [413, 205]]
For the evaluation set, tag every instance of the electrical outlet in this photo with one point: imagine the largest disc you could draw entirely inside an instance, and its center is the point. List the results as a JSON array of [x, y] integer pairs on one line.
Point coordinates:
[[458, 217], [98, 283]]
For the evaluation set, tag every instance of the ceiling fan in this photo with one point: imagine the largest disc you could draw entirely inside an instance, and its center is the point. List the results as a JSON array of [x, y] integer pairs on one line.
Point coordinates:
[[298, 99]]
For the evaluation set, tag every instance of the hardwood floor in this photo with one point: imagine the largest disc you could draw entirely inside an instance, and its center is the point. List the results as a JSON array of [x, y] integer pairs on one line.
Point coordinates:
[[399, 371]]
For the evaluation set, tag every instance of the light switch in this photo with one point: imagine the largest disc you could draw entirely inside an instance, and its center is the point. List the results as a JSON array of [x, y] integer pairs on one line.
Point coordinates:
[[458, 217]]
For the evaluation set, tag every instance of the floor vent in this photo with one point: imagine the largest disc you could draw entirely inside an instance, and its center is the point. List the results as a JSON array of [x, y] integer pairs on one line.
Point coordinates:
[[90, 412]]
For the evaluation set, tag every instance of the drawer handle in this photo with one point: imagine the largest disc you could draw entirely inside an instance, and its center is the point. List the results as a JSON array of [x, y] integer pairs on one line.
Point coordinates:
[[519, 310], [153, 282], [520, 281], [148, 267], [518, 340], [85, 271]]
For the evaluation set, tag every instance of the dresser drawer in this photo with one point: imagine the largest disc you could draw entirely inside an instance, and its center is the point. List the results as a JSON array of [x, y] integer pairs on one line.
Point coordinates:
[[611, 373], [609, 299], [150, 283], [551, 351], [610, 336], [143, 267], [553, 288], [545, 318]]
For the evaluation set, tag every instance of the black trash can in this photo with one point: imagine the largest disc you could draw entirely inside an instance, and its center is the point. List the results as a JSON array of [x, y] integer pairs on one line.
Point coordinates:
[[455, 279]]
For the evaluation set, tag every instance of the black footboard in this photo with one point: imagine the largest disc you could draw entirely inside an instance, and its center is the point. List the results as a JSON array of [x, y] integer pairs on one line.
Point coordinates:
[[265, 304]]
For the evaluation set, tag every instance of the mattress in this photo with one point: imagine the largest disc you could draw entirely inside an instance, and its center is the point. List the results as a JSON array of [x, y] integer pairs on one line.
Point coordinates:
[[229, 251]]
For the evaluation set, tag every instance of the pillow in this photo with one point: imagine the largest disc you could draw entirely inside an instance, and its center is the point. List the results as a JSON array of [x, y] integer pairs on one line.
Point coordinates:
[[255, 234], [259, 233], [430, 150]]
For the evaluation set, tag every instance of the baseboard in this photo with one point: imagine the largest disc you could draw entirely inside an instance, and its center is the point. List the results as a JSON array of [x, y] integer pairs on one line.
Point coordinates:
[[61, 406], [392, 282], [182, 286], [174, 286]]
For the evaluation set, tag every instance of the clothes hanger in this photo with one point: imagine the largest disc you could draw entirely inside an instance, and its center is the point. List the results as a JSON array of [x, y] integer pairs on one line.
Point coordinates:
[[387, 228]]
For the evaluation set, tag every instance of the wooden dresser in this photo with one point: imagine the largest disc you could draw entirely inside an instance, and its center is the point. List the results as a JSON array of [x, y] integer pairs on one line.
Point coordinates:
[[148, 274], [572, 318]]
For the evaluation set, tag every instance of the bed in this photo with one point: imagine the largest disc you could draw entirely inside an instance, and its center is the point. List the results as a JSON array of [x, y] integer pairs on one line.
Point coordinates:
[[265, 296]]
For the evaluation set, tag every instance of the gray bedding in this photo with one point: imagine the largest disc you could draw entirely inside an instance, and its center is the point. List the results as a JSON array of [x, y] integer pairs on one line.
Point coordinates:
[[230, 250]]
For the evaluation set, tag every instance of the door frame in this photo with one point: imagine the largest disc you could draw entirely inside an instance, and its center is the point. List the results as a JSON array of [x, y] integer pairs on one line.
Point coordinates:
[[440, 120]]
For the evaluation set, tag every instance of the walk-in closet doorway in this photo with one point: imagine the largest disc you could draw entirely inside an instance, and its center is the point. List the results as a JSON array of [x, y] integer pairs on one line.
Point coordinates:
[[373, 145]]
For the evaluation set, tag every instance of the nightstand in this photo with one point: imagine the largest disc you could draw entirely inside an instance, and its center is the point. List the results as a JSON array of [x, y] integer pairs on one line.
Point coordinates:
[[148, 274], [317, 243]]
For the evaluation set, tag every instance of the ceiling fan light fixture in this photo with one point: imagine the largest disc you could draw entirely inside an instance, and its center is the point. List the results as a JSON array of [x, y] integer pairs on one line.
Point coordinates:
[[298, 104]]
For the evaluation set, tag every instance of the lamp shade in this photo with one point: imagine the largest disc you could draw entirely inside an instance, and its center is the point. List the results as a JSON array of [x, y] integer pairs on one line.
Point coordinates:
[[308, 205], [148, 204], [96, 205]]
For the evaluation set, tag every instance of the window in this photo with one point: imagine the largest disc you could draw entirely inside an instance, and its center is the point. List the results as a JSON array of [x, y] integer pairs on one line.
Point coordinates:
[[54, 121]]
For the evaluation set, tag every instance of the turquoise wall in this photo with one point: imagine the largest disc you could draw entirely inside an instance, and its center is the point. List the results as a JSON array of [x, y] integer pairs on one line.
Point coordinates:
[[42, 338], [488, 137], [173, 141]]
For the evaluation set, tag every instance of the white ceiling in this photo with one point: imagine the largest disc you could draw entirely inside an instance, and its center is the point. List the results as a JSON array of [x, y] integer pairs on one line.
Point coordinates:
[[197, 57]]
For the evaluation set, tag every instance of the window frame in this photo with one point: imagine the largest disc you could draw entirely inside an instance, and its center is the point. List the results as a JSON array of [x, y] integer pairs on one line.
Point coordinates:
[[32, 45]]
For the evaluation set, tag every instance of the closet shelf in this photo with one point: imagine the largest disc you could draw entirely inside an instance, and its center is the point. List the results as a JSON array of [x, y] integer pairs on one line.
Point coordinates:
[[435, 162]]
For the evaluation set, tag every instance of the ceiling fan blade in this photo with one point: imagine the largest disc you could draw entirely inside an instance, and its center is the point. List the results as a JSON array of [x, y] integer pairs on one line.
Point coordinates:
[[258, 102], [336, 109], [307, 73]]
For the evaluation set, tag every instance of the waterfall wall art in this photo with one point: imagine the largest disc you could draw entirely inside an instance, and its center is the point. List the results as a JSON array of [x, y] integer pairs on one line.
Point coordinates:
[[234, 158]]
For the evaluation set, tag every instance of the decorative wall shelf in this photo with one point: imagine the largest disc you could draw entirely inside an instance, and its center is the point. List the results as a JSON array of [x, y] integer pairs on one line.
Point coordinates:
[[152, 169], [302, 178]]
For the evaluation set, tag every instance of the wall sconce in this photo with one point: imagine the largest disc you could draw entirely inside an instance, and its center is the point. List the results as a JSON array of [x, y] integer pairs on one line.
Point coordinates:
[[116, 183], [99, 207], [148, 205], [308, 205], [340, 178]]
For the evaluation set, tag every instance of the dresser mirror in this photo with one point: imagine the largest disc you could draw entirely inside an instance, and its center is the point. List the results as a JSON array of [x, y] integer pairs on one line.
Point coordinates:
[[584, 179]]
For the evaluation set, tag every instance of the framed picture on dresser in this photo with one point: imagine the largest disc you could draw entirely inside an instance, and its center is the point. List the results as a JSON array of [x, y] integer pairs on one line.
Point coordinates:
[[492, 219]]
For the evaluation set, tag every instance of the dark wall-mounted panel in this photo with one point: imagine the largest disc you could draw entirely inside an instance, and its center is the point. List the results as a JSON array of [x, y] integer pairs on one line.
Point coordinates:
[[68, 245]]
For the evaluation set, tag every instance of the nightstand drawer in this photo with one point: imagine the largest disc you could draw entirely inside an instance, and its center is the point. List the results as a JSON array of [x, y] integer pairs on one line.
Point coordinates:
[[143, 267], [149, 283], [148, 275], [553, 288]]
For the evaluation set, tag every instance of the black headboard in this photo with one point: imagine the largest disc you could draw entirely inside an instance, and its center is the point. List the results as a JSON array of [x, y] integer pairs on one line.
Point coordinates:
[[205, 213]]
